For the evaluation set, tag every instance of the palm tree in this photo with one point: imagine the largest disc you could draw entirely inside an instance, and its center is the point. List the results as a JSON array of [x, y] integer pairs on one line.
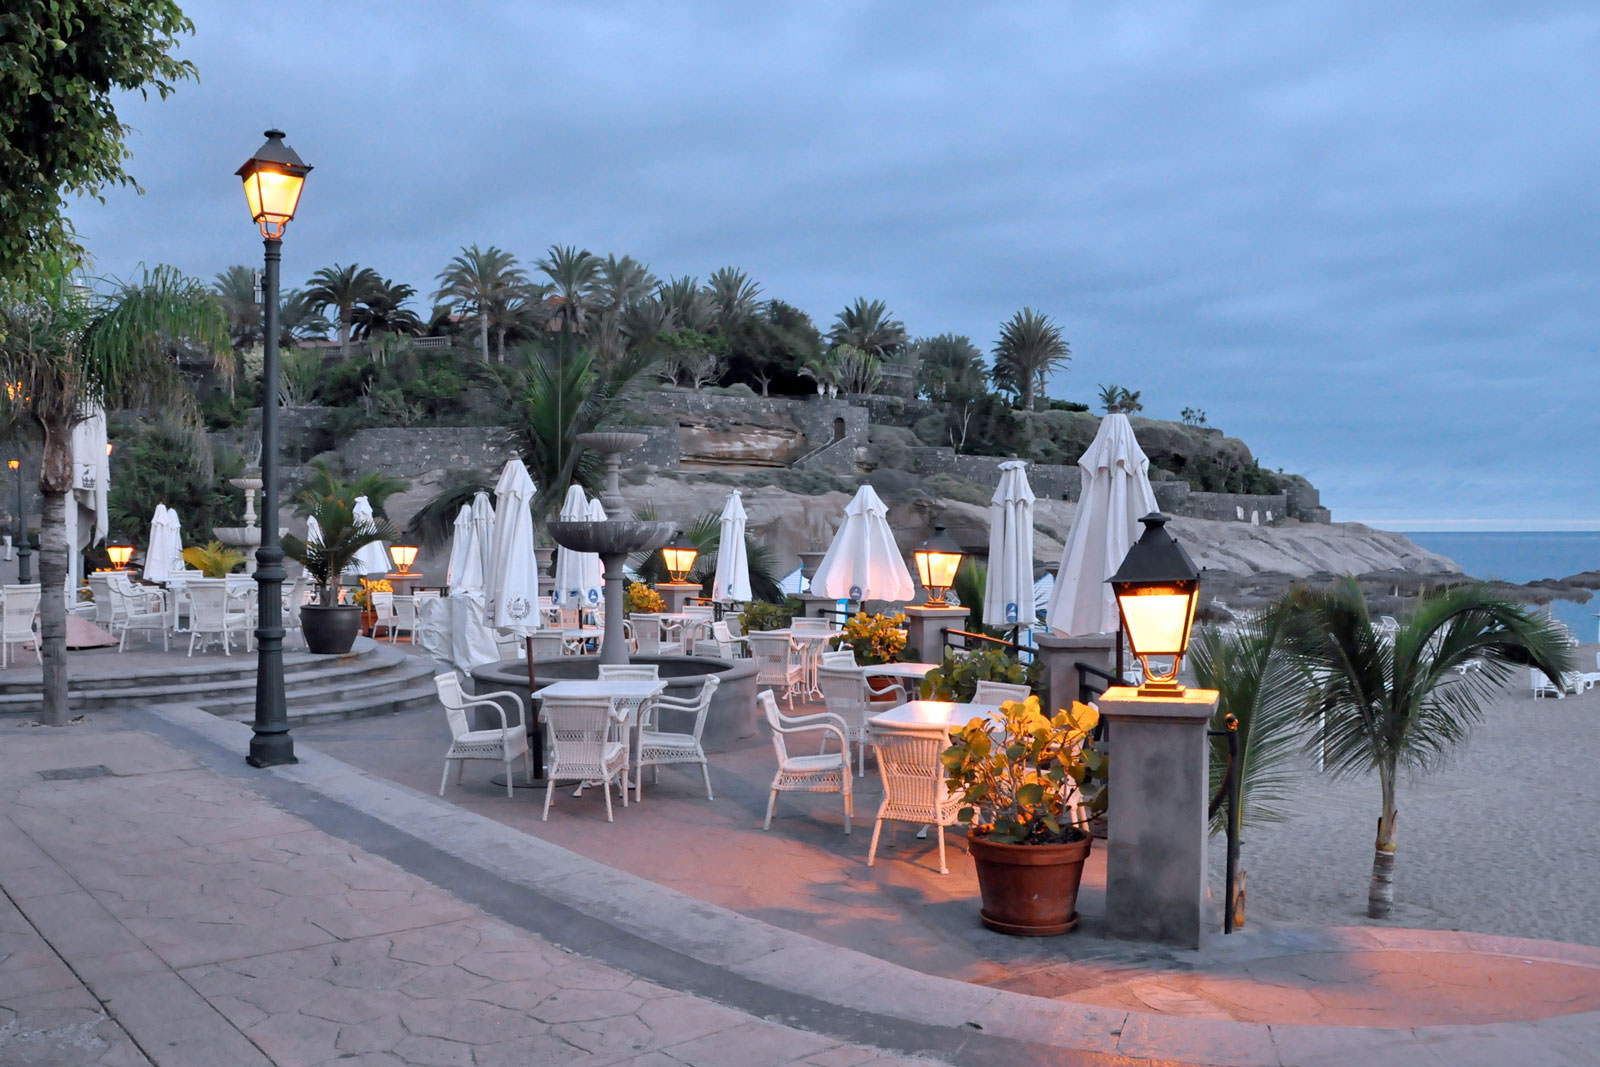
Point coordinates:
[[705, 533], [326, 485], [69, 352], [573, 275], [477, 282], [298, 320], [1030, 347], [236, 287], [383, 310], [688, 303], [1384, 703], [866, 324], [341, 288], [622, 282], [733, 296], [950, 366]]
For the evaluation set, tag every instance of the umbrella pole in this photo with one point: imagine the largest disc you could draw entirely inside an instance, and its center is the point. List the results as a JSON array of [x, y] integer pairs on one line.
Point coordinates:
[[535, 727]]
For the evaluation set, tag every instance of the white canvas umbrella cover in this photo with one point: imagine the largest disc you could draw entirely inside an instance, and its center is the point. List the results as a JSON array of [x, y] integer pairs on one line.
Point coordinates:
[[1116, 494], [483, 530], [466, 562], [513, 578], [1008, 586], [863, 562], [731, 581], [371, 559], [575, 586], [166, 545]]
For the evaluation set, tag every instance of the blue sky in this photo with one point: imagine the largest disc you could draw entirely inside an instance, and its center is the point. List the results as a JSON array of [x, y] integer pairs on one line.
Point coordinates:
[[1361, 236]]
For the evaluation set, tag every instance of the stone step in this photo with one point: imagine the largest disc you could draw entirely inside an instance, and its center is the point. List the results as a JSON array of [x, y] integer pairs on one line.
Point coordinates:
[[411, 698], [374, 687], [239, 668]]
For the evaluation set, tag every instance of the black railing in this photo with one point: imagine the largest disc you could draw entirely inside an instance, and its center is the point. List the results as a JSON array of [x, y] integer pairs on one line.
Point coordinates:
[[1228, 792], [1017, 648], [1086, 690]]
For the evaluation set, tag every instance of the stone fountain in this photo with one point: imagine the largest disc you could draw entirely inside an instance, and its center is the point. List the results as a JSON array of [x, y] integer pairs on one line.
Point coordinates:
[[246, 538], [615, 539]]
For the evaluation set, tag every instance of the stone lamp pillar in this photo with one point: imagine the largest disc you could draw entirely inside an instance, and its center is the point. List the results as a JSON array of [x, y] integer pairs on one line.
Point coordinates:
[[816, 606], [1160, 786], [925, 628], [677, 594], [1062, 654]]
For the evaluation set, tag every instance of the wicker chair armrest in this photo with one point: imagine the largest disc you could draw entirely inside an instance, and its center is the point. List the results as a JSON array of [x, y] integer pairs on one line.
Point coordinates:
[[892, 687], [488, 700], [820, 720]]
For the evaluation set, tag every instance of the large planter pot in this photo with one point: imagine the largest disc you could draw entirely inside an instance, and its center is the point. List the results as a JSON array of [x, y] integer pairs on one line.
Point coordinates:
[[330, 631], [1029, 890]]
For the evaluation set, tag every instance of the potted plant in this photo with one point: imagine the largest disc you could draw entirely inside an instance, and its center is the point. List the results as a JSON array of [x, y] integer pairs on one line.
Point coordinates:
[[639, 598], [875, 638], [330, 627], [1018, 777]]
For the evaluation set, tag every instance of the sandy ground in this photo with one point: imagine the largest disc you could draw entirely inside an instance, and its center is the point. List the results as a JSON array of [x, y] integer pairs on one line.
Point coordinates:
[[1505, 839]]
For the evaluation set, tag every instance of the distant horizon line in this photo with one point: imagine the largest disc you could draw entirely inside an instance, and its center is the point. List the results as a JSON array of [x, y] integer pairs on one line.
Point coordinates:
[[1481, 525]]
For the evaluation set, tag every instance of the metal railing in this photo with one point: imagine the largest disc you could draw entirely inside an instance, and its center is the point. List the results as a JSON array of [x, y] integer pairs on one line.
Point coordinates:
[[1228, 793], [1017, 648]]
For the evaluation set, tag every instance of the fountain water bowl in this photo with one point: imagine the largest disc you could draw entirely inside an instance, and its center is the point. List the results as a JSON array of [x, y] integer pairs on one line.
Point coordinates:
[[613, 540]]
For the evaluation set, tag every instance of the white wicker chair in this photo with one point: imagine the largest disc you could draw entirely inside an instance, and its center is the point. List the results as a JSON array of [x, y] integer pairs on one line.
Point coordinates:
[[722, 644], [826, 772], [844, 657], [548, 644], [1543, 686], [579, 744], [20, 606], [991, 692], [913, 783], [382, 613], [846, 694], [402, 616], [212, 613], [779, 662], [658, 747], [502, 745], [137, 609]]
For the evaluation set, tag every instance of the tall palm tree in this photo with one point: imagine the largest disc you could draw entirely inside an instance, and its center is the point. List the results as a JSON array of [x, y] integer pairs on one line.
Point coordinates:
[[236, 287], [1407, 701], [621, 282], [867, 325], [688, 303], [574, 275], [476, 282], [733, 296], [382, 310], [341, 288], [70, 351], [1030, 347]]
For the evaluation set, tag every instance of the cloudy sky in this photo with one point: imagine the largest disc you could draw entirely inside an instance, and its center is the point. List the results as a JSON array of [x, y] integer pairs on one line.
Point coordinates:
[[1361, 236]]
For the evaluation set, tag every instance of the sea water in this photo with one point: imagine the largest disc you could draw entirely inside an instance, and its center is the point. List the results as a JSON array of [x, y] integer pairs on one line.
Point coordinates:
[[1522, 557]]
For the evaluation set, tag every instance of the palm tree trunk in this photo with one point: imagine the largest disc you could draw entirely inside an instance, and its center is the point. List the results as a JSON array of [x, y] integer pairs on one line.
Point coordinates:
[[53, 551], [1380, 896], [483, 335], [345, 319], [500, 344]]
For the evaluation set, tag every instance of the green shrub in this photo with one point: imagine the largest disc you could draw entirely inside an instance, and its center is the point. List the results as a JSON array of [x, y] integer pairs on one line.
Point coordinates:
[[761, 615], [951, 487], [958, 676]]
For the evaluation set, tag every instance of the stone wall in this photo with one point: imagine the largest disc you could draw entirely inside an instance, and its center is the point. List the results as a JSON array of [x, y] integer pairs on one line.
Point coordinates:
[[1050, 480], [409, 451], [717, 430], [1238, 507]]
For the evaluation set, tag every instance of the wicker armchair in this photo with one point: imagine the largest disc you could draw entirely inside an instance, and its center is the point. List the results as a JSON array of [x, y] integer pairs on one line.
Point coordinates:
[[779, 662], [913, 783], [579, 743], [826, 772], [990, 692], [658, 747], [502, 745], [847, 695]]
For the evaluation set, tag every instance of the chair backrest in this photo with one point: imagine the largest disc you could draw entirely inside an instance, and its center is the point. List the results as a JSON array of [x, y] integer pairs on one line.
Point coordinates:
[[769, 707], [913, 778], [844, 692], [403, 610], [383, 605], [708, 689], [21, 605], [577, 728], [547, 644], [991, 692], [721, 634], [773, 653], [845, 657], [568, 619], [630, 672], [801, 625], [448, 686], [735, 627], [208, 604]]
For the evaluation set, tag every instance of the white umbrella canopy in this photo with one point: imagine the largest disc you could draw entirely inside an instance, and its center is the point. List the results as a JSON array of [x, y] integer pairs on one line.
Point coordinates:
[[512, 581], [372, 559], [483, 530], [1008, 585], [1116, 494], [864, 563], [164, 554], [577, 582], [466, 562], [731, 582]]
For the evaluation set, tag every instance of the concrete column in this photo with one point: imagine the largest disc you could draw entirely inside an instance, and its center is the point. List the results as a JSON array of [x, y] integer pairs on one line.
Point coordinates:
[[677, 594], [815, 606], [1159, 786], [925, 629], [1061, 656]]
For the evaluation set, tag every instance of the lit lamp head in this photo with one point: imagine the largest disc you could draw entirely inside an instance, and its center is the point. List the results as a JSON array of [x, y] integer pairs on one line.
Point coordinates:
[[272, 181], [13, 463], [1156, 589], [109, 447], [938, 558], [120, 552], [680, 556], [403, 556]]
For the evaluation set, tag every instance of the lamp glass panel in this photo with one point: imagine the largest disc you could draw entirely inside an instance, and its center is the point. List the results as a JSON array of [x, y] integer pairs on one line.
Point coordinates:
[[937, 569], [403, 556], [273, 195], [679, 560], [120, 554], [1158, 621]]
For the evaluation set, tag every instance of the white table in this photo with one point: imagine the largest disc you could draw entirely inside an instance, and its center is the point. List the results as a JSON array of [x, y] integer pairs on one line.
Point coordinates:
[[627, 696], [811, 645], [910, 671], [948, 714]]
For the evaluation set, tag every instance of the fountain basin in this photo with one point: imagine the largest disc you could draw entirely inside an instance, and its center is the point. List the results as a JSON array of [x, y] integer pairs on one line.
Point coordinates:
[[612, 537], [611, 442], [733, 716]]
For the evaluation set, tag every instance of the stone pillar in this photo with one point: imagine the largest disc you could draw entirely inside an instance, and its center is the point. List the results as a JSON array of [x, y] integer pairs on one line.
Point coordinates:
[[925, 629], [816, 607], [677, 594], [1159, 788], [1061, 656]]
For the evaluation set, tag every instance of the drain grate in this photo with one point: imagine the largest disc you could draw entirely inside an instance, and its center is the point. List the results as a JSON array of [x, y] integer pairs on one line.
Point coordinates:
[[64, 774]]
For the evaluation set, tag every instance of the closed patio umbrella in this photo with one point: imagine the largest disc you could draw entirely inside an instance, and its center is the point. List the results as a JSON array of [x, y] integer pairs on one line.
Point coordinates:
[[512, 581], [483, 529], [372, 559], [164, 554], [863, 562], [577, 582], [466, 562], [731, 583], [1116, 493], [1008, 586]]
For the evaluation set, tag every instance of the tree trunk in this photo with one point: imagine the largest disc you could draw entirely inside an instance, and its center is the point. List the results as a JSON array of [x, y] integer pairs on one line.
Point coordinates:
[[55, 487], [1380, 897], [345, 319], [500, 344], [483, 335]]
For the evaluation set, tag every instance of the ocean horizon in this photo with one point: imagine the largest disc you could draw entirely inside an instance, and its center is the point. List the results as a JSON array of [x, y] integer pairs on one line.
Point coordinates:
[[1524, 556]]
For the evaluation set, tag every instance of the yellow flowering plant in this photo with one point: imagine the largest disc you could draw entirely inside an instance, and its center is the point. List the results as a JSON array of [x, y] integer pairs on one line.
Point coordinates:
[[640, 598], [368, 587], [875, 638], [1018, 775]]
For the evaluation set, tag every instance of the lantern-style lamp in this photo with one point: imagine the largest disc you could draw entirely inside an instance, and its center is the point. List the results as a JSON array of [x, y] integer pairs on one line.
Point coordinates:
[[937, 559], [13, 463], [120, 553], [273, 178], [403, 556], [1157, 587], [680, 555]]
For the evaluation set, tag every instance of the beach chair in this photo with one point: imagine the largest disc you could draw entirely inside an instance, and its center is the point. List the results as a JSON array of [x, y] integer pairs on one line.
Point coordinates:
[[1543, 686]]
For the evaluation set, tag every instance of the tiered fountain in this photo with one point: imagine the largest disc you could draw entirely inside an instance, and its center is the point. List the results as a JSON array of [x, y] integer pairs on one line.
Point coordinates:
[[246, 538]]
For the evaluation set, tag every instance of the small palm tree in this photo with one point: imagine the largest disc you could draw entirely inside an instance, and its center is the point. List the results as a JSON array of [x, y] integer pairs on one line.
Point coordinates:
[[1030, 347], [688, 303], [236, 287], [867, 325], [341, 288], [299, 320], [574, 275], [342, 538], [382, 310], [481, 282], [68, 351], [324, 484], [1409, 700]]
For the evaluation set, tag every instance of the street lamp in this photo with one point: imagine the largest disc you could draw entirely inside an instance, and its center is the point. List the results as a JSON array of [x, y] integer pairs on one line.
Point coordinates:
[[1156, 589], [119, 552], [938, 558], [272, 179], [402, 556], [679, 555], [19, 529]]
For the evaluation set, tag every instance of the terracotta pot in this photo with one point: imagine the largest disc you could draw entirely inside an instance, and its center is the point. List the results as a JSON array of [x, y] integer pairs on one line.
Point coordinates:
[[330, 631], [1029, 890]]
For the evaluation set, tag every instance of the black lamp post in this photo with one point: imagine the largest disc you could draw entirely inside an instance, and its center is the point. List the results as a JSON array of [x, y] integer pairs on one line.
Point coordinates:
[[1156, 589], [273, 178]]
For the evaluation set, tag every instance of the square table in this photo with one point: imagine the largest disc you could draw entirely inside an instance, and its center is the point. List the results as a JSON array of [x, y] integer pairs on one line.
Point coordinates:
[[951, 715]]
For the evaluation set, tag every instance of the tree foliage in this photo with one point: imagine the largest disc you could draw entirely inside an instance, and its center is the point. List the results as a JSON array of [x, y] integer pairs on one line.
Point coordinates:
[[62, 63], [1029, 349]]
